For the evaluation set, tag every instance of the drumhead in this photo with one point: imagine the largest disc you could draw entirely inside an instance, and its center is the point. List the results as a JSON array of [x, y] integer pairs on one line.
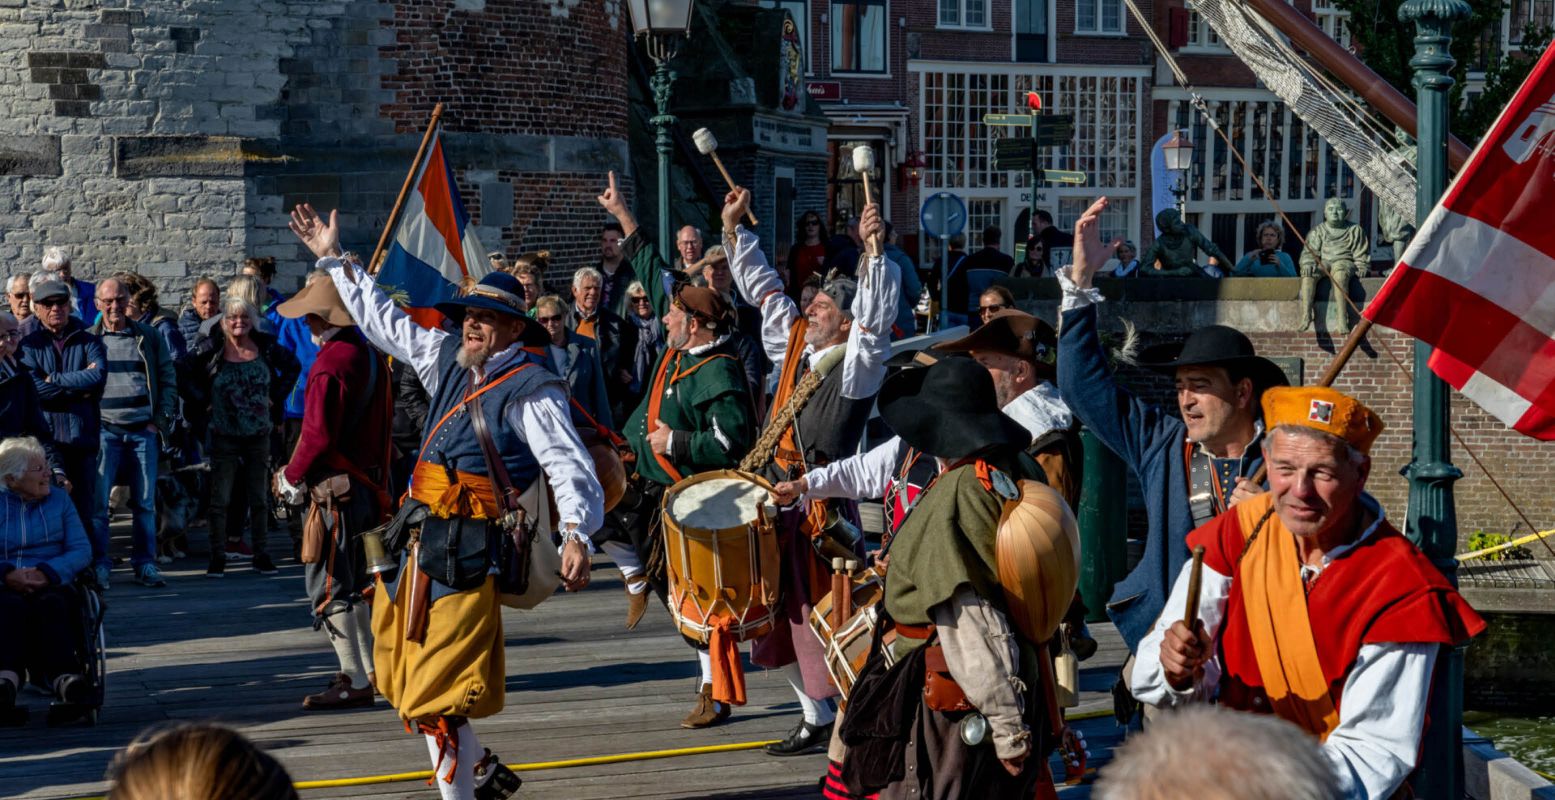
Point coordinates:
[[717, 504]]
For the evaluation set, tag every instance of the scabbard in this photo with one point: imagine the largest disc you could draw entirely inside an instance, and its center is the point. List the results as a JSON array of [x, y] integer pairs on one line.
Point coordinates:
[[420, 602]]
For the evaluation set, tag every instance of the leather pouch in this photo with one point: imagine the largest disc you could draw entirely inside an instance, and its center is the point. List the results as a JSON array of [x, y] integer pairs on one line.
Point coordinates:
[[456, 552], [940, 691], [315, 528]]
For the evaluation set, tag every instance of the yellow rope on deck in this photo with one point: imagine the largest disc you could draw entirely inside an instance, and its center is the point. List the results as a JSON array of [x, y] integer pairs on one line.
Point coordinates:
[[1521, 540], [589, 761]]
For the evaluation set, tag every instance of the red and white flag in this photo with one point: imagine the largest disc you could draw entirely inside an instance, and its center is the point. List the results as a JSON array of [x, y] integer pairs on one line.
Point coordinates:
[[1478, 281]]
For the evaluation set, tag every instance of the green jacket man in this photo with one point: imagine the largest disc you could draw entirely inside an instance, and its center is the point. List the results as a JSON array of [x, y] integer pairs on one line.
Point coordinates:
[[951, 618]]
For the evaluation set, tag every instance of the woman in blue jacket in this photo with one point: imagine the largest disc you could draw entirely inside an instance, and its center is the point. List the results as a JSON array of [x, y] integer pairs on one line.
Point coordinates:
[[42, 548]]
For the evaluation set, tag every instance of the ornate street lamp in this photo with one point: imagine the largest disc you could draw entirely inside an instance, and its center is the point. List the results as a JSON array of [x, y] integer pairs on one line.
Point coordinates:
[[1433, 515], [665, 25], [1179, 158]]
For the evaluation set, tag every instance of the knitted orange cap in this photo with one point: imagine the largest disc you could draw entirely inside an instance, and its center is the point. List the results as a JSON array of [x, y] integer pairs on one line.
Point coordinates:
[[1324, 409]]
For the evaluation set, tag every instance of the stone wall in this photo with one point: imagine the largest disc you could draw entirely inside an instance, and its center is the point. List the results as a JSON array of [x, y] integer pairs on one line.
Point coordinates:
[[169, 136], [1268, 311]]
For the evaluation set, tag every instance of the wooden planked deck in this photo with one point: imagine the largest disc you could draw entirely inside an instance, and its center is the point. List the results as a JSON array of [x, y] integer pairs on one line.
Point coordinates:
[[241, 651]]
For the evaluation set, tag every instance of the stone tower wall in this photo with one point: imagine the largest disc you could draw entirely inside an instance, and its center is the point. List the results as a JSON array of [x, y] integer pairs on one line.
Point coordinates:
[[168, 136]]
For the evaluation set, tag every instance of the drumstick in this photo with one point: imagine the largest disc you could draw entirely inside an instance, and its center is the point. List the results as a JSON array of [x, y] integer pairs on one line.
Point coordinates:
[[707, 143], [863, 164], [839, 590], [1190, 613], [847, 595]]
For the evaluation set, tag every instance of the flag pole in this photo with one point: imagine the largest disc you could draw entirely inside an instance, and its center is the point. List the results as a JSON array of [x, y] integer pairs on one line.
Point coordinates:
[[399, 202]]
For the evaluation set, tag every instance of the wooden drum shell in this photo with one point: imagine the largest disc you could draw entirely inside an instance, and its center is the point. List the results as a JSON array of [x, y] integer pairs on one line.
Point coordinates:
[[734, 571]]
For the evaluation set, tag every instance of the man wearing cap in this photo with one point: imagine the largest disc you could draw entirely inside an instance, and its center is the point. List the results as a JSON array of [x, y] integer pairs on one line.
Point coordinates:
[[69, 369], [1191, 467], [956, 647], [498, 417], [1312, 606], [831, 358], [339, 466], [697, 415]]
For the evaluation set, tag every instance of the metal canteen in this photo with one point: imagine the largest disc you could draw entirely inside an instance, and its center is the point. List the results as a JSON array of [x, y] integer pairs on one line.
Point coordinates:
[[974, 729], [378, 560], [839, 538]]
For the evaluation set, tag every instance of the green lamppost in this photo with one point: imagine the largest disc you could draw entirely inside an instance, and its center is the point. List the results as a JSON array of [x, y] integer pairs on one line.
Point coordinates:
[[664, 24], [1433, 521]]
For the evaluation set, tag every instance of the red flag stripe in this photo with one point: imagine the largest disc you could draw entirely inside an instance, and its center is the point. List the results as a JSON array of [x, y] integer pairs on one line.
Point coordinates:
[[1477, 332], [439, 206], [1492, 263]]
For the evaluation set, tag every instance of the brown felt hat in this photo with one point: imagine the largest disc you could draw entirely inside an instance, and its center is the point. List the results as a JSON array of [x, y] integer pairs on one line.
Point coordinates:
[[1013, 333], [321, 299], [703, 303]]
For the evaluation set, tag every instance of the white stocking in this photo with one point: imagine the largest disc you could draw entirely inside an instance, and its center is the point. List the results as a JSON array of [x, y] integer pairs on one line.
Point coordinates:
[[362, 637], [816, 712], [342, 629], [626, 560], [705, 662], [469, 754]]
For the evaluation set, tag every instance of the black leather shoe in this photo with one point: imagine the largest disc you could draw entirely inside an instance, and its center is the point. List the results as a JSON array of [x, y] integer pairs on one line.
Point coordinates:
[[805, 738]]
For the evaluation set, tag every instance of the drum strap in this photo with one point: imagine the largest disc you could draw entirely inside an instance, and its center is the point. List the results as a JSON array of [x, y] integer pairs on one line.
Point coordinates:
[[780, 438], [661, 382]]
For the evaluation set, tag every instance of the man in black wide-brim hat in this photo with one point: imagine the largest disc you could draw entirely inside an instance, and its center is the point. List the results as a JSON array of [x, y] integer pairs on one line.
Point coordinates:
[[1190, 467], [943, 593]]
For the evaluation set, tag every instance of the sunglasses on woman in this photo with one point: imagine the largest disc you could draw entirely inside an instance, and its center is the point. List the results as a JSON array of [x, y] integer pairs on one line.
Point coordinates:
[[991, 309]]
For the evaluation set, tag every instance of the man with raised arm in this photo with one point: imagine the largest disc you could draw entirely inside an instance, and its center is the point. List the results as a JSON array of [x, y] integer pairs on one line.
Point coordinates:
[[498, 417], [696, 416], [831, 360]]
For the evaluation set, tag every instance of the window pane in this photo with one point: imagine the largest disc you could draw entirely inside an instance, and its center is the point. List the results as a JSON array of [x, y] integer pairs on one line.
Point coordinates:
[[949, 12], [1085, 15], [872, 38], [1111, 16], [976, 13]]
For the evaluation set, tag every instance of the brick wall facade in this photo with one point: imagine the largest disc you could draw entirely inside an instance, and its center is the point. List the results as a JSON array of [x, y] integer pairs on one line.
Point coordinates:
[[169, 136]]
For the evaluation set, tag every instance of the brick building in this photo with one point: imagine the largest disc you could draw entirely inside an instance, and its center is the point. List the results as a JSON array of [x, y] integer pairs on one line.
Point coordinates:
[[913, 79], [169, 136]]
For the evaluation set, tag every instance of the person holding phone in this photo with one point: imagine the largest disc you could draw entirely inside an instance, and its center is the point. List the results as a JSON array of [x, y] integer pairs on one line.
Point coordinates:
[[1269, 260]]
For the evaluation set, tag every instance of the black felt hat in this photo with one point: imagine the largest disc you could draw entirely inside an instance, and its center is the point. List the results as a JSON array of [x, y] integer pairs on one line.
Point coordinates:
[[948, 410], [1214, 346]]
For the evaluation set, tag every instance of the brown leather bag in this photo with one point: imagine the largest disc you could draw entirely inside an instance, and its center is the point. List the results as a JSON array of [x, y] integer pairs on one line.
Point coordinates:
[[315, 529], [940, 691]]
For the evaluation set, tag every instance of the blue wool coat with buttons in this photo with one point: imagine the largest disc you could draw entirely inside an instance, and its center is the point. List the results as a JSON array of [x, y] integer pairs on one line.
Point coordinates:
[[1150, 440]]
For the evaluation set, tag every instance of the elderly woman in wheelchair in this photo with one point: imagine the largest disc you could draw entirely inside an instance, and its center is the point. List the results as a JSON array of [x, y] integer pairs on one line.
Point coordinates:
[[42, 548]]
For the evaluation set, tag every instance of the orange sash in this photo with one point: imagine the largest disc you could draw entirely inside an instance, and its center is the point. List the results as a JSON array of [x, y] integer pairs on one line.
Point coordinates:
[[656, 397], [470, 496], [788, 381], [1278, 624]]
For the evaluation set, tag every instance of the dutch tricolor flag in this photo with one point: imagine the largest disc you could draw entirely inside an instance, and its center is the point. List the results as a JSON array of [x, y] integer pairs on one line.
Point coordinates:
[[434, 247]]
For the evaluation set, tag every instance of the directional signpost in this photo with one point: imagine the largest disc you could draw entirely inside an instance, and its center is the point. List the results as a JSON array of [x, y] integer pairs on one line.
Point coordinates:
[[1024, 153], [943, 216]]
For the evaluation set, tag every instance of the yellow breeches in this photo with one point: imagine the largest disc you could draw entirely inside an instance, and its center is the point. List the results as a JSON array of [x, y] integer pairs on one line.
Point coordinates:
[[458, 671]]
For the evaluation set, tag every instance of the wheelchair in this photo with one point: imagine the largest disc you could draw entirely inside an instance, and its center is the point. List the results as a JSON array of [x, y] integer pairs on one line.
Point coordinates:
[[91, 656]]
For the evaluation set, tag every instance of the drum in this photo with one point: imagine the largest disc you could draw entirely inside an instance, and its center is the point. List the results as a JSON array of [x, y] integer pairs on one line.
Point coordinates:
[[847, 647], [721, 554]]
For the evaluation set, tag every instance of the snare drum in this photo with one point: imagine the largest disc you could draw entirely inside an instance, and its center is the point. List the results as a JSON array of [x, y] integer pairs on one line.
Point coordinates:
[[721, 554], [847, 647]]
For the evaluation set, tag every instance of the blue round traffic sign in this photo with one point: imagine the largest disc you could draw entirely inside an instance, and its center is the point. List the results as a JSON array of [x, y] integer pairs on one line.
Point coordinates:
[[943, 215]]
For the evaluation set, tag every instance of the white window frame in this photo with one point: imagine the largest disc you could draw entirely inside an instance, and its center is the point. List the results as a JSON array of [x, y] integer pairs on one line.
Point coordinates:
[[1202, 38], [831, 44], [1052, 32], [1098, 31], [1334, 22], [961, 24]]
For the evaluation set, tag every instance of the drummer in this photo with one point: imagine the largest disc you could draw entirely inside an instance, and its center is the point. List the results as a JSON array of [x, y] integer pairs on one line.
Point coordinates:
[[1018, 350], [831, 358], [697, 415], [943, 592]]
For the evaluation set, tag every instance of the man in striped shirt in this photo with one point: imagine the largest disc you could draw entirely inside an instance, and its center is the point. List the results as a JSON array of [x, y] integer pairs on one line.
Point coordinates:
[[138, 403]]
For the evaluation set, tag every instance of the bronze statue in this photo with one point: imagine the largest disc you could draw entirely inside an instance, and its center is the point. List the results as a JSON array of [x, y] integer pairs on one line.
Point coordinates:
[[1174, 254], [1342, 247]]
